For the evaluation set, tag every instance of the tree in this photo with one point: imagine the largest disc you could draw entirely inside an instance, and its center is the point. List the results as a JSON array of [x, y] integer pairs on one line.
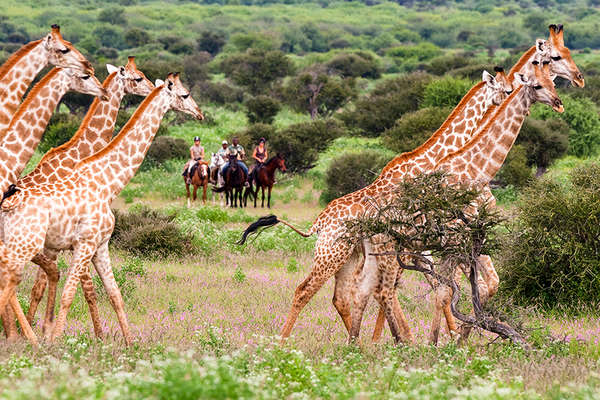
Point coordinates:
[[544, 141], [211, 42], [256, 69], [414, 128], [318, 93], [112, 15], [354, 65], [195, 68], [137, 37], [262, 109]]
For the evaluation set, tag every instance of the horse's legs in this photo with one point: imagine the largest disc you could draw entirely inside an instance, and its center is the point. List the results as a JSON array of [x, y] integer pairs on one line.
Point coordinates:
[[195, 196], [204, 187], [269, 199], [187, 189], [262, 190]]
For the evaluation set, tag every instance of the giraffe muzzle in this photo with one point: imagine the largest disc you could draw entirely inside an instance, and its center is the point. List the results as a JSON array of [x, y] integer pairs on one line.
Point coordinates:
[[579, 81], [557, 105]]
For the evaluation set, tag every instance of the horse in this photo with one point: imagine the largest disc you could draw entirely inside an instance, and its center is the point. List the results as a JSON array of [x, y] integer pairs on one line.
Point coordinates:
[[235, 178], [199, 177], [216, 162], [264, 176]]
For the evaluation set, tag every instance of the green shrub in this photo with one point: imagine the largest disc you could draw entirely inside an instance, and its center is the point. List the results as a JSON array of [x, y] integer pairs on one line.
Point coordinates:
[[552, 256], [543, 141], [60, 129], [165, 148], [211, 42], [421, 52], [256, 69], [300, 144], [250, 136], [262, 109], [582, 117], [515, 171], [389, 100], [351, 172], [445, 92], [146, 232], [354, 65], [219, 93], [441, 65], [414, 128]]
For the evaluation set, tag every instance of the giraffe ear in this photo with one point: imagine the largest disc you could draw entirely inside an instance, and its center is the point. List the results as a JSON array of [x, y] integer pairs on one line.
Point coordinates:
[[488, 78], [520, 79], [111, 68], [159, 82]]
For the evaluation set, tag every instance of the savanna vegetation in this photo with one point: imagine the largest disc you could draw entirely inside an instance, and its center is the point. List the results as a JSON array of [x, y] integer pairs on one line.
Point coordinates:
[[338, 88]]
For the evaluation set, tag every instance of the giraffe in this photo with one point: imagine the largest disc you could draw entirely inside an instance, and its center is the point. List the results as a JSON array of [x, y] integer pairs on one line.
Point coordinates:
[[28, 124], [94, 134], [330, 253], [17, 73], [74, 212], [487, 148]]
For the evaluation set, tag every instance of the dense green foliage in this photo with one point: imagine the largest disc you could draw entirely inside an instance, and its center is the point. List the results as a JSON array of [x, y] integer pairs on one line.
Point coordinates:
[[350, 172], [552, 255], [262, 109], [413, 129], [165, 148], [60, 129]]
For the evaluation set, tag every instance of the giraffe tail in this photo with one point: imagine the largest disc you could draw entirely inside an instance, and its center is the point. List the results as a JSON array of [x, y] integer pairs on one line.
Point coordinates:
[[266, 222]]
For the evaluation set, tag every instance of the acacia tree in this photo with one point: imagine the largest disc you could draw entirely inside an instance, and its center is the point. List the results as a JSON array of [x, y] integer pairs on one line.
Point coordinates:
[[427, 214], [256, 69]]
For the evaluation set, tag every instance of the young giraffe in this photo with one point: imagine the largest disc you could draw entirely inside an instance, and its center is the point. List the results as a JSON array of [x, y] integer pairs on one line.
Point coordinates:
[[562, 65], [331, 253], [74, 212], [486, 151], [27, 126], [17, 73], [93, 135]]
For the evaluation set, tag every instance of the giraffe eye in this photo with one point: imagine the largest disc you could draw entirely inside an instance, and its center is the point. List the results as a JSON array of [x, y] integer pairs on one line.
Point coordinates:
[[85, 77], [509, 92], [138, 80], [65, 51], [557, 58], [185, 96], [538, 87]]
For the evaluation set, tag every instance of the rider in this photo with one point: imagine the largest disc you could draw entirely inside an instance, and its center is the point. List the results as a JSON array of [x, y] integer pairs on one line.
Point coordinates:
[[237, 150], [196, 154], [259, 154]]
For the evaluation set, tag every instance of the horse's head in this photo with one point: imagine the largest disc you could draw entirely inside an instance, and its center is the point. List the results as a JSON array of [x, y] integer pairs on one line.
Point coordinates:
[[213, 160], [280, 162], [203, 170]]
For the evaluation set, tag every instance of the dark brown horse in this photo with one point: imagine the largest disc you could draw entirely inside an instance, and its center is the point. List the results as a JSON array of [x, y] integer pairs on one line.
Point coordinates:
[[264, 177], [199, 177], [235, 178]]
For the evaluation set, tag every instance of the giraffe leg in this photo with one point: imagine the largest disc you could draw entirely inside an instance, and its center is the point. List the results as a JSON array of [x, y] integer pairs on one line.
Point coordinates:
[[366, 279], [87, 284], [379, 324], [342, 296], [37, 292], [9, 296], [82, 255], [325, 265], [399, 316], [10, 325], [102, 264]]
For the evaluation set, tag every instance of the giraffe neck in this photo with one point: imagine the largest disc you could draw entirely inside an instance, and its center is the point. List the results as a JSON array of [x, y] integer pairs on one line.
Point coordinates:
[[27, 126], [16, 74], [451, 136], [92, 136], [481, 158], [112, 168], [524, 65]]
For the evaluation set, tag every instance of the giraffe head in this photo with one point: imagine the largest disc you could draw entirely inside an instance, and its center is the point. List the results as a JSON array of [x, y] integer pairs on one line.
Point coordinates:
[[180, 96], [562, 63], [497, 88], [133, 80], [539, 85], [84, 83], [62, 53]]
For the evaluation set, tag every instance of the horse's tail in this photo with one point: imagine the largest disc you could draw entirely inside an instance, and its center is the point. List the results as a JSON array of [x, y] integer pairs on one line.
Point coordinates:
[[268, 221]]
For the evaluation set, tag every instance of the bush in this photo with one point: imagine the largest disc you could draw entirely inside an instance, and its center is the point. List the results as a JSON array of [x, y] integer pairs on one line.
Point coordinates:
[[300, 144], [355, 65], [256, 69], [421, 52], [165, 148], [249, 137], [515, 171], [262, 109], [146, 232], [441, 65], [350, 172], [390, 99], [552, 256], [414, 128], [445, 92], [60, 129], [218, 93], [211, 42], [543, 141], [112, 16], [582, 117], [137, 37]]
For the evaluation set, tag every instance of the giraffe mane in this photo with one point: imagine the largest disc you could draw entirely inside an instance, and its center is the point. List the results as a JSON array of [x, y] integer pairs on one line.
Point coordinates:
[[30, 97], [84, 124], [125, 130], [15, 57], [522, 61], [419, 150], [485, 129]]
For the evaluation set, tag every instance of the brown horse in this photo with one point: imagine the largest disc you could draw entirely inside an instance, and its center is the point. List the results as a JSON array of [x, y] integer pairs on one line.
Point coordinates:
[[235, 178], [199, 177], [264, 177]]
